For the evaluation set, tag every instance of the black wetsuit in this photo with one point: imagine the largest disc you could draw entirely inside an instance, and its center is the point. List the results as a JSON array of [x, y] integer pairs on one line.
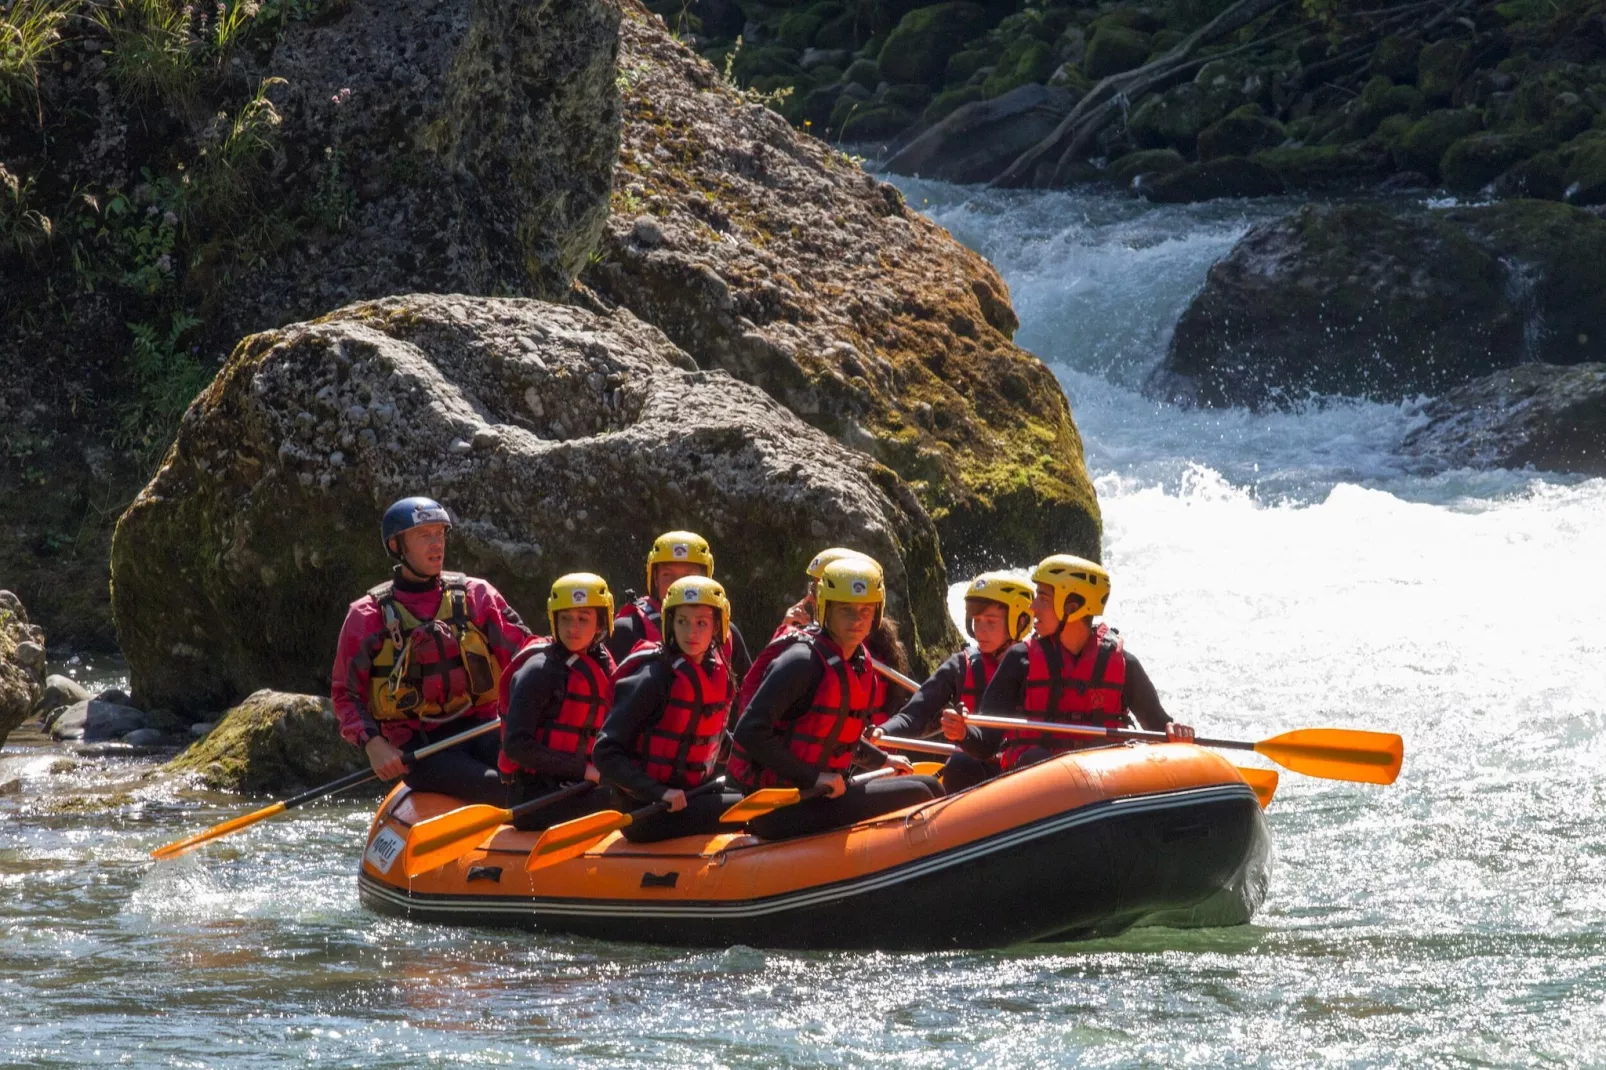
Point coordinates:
[[627, 633], [785, 695], [639, 699], [922, 714], [534, 698]]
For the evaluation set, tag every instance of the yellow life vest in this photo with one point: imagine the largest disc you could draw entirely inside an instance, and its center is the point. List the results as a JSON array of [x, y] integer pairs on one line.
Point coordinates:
[[449, 647]]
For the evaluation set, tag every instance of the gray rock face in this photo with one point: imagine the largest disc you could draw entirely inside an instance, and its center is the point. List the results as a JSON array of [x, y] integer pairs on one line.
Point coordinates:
[[979, 140], [60, 691], [1538, 415], [1355, 300], [94, 721], [22, 663], [560, 439]]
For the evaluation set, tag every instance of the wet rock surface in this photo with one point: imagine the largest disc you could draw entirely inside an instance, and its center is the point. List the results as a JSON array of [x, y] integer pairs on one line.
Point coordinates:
[[1357, 300], [274, 743], [22, 663], [1543, 416], [561, 439], [774, 257]]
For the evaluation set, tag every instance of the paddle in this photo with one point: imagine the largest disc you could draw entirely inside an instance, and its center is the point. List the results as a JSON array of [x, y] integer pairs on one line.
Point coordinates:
[[574, 838], [446, 838], [178, 847], [1332, 753], [765, 800], [1262, 781]]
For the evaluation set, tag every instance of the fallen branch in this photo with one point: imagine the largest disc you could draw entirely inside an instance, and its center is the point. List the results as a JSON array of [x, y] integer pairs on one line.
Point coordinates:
[[1093, 111]]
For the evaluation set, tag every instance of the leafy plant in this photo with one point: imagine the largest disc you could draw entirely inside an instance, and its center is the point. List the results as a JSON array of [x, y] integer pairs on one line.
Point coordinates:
[[131, 244], [771, 99], [167, 376], [164, 48], [21, 227], [29, 30], [333, 198], [230, 167]]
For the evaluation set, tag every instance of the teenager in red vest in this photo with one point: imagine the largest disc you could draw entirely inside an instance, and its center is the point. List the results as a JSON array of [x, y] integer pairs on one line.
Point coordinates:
[[419, 659], [555, 695], [998, 614], [1070, 671], [804, 726], [674, 555], [663, 733]]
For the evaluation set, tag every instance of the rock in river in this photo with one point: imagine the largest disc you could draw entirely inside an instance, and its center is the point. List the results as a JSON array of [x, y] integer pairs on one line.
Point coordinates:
[[772, 255], [22, 663], [560, 439], [1538, 415], [272, 742]]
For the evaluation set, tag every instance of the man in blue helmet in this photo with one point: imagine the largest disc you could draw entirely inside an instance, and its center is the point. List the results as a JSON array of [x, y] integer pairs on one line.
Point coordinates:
[[419, 658]]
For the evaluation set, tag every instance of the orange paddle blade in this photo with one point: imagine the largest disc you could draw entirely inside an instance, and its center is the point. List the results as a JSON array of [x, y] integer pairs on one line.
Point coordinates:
[[760, 803], [574, 838], [443, 839], [927, 768], [1263, 781], [1338, 753], [235, 824]]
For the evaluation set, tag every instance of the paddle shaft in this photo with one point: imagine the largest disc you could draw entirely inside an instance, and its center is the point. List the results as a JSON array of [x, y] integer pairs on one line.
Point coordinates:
[[351, 780], [919, 746], [361, 776], [1021, 724]]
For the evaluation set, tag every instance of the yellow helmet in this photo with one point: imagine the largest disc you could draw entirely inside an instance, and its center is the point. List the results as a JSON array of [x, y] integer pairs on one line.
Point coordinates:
[[679, 547], [1070, 575], [580, 590], [1014, 595], [825, 557], [697, 591], [852, 579]]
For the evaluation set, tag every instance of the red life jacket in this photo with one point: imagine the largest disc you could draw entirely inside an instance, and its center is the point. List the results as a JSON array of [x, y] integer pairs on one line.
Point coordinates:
[[645, 609], [1087, 689], [679, 749], [824, 735], [587, 693], [979, 670], [784, 637], [433, 671]]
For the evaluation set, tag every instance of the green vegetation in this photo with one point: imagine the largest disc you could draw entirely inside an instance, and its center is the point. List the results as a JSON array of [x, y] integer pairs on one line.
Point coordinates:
[[168, 377], [28, 32]]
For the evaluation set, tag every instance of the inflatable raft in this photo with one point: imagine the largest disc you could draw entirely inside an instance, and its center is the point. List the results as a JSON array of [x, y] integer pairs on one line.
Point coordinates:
[[1089, 843]]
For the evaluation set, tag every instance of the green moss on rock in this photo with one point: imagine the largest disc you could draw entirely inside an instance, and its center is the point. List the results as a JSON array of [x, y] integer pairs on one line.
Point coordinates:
[[1440, 66], [1239, 135], [271, 743], [919, 48], [1475, 161], [1144, 162], [1425, 143], [1114, 49]]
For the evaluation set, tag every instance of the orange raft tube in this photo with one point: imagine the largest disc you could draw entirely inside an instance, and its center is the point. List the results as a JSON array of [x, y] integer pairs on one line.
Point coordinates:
[[1088, 843]]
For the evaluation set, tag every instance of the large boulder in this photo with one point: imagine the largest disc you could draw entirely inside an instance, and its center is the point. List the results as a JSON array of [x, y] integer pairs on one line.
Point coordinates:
[[96, 721], [1225, 176], [1541, 415], [918, 49], [271, 743], [1353, 300], [772, 255], [977, 141], [400, 146], [22, 663], [561, 439]]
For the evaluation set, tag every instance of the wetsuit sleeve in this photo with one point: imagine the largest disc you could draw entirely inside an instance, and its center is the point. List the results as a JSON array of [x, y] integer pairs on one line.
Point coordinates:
[[940, 690], [505, 631], [538, 689], [1004, 697], [741, 661], [626, 633], [1141, 699], [785, 695], [361, 636], [639, 699]]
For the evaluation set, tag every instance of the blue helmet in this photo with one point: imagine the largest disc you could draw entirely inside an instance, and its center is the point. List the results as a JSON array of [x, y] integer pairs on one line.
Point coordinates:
[[410, 513]]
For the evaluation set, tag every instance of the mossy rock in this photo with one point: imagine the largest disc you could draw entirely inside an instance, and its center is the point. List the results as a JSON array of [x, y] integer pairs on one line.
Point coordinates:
[[1164, 41], [1239, 135], [911, 98], [818, 105], [1440, 66], [1540, 177], [1176, 117], [1584, 174], [1395, 58], [1228, 176], [963, 64], [948, 101], [1127, 18], [1317, 166], [1070, 76], [1474, 161], [919, 48], [1425, 143], [877, 122], [865, 72], [752, 63], [1114, 49], [797, 29], [1024, 63], [1144, 162], [272, 743]]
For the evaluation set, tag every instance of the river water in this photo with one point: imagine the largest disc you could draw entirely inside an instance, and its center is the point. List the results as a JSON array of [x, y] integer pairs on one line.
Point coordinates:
[[1273, 572]]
